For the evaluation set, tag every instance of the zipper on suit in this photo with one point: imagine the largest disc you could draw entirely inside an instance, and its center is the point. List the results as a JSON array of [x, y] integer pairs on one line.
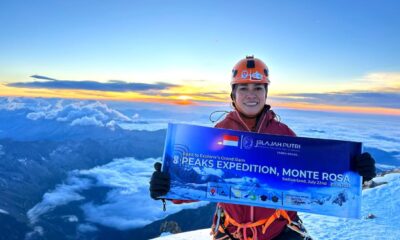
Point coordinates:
[[258, 131], [243, 123], [262, 122]]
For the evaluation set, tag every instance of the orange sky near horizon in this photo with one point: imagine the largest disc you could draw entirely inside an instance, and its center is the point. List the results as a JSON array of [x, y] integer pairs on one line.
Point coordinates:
[[183, 96]]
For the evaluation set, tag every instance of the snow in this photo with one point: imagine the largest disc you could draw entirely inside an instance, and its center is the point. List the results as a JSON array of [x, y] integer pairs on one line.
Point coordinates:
[[3, 211], [382, 201], [71, 218], [208, 171], [384, 167], [23, 161], [193, 235], [87, 227]]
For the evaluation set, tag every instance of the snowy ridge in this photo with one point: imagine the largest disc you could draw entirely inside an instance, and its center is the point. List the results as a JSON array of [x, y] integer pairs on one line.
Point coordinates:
[[382, 202]]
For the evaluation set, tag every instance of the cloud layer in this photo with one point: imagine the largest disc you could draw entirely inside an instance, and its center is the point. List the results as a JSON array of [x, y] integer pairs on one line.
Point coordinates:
[[378, 89], [112, 85], [365, 99], [83, 113], [373, 90], [127, 203], [62, 195], [80, 113]]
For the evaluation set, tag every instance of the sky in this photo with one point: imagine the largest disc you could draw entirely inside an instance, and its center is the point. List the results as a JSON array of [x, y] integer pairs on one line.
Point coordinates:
[[322, 55]]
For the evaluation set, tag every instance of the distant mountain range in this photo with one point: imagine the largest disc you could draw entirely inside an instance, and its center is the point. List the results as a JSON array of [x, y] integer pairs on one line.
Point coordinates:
[[41, 142], [48, 145]]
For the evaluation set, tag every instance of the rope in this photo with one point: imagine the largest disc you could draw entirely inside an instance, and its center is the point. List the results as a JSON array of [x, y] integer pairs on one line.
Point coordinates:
[[222, 113], [218, 218]]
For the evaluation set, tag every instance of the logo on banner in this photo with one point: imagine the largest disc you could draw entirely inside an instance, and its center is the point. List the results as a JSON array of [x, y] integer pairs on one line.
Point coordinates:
[[230, 140], [251, 196], [247, 142], [213, 191], [236, 193], [218, 191], [259, 143], [264, 198]]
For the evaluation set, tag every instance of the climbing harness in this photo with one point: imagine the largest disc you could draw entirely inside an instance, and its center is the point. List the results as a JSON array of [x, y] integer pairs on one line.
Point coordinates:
[[223, 220]]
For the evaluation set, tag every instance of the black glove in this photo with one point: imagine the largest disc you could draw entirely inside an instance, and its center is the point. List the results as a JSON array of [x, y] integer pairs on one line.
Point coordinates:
[[365, 166], [159, 183]]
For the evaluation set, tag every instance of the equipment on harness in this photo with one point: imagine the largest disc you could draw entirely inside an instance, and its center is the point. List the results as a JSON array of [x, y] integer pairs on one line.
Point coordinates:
[[223, 220], [298, 227], [219, 231]]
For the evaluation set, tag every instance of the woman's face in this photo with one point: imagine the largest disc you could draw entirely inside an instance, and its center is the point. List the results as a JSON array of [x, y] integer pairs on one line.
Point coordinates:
[[250, 98]]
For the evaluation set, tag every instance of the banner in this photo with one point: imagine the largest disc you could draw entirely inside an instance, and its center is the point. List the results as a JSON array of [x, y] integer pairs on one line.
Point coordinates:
[[292, 173]]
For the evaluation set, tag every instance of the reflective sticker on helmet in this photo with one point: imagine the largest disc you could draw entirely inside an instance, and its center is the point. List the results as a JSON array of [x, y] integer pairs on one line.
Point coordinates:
[[244, 74], [256, 76]]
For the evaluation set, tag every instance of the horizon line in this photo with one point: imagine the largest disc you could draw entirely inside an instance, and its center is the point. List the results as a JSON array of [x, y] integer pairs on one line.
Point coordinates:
[[301, 106]]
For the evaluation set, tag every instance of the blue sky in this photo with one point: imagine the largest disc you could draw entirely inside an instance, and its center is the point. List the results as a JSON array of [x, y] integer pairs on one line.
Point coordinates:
[[309, 46]]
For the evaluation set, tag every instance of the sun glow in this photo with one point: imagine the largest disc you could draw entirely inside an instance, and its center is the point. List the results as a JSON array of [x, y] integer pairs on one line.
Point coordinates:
[[182, 95], [179, 95]]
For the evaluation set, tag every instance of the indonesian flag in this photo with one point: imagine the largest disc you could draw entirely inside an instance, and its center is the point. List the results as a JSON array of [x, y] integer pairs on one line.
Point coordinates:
[[229, 140]]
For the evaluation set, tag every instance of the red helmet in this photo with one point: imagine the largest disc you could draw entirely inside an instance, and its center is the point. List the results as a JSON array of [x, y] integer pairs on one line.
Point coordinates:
[[250, 70]]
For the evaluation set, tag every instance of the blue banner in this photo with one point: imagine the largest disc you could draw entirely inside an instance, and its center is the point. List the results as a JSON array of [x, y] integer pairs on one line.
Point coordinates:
[[292, 173]]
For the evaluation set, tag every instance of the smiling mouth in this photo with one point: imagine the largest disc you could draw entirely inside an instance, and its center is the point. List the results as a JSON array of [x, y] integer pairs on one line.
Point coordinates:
[[251, 104]]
